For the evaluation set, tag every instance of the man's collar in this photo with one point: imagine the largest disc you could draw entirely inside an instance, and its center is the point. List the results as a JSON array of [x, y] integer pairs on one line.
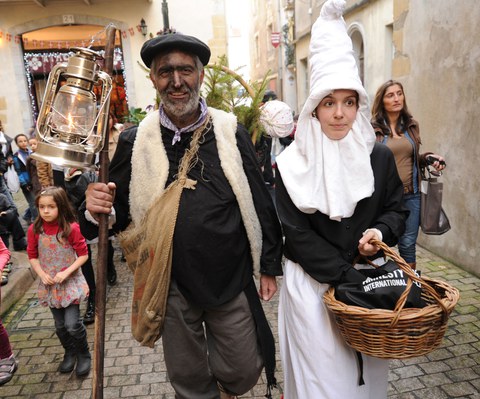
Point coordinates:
[[166, 122]]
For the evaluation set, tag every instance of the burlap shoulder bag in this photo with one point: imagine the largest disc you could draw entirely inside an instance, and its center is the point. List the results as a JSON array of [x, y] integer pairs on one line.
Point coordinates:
[[148, 251]]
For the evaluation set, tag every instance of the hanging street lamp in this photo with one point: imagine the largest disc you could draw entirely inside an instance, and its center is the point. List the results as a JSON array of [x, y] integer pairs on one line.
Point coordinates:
[[143, 27]]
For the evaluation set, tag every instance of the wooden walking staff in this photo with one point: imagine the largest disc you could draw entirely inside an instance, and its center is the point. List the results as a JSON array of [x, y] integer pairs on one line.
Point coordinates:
[[102, 255]]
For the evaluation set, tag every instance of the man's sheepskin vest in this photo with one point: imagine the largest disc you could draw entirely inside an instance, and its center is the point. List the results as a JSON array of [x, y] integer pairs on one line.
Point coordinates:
[[149, 159]]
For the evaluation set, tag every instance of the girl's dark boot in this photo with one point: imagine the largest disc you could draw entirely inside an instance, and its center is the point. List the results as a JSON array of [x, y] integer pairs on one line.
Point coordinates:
[[70, 356], [84, 359], [89, 316]]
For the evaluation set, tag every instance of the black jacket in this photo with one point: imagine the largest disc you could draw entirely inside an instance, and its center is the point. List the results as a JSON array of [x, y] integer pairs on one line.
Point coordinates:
[[211, 255], [326, 249]]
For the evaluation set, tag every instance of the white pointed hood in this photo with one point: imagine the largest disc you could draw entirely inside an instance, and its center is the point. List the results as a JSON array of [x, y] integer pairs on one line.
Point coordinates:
[[321, 174]]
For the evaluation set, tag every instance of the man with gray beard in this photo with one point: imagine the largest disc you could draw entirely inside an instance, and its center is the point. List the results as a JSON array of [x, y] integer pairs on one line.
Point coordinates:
[[215, 336]]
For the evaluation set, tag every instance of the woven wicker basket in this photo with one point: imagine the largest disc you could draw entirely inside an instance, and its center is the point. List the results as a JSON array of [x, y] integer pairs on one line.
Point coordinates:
[[399, 333]]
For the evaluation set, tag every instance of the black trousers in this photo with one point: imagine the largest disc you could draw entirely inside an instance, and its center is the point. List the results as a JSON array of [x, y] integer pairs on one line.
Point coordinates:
[[10, 225]]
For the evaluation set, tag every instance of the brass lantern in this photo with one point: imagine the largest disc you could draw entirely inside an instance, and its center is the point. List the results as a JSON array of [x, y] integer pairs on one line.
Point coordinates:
[[71, 126]]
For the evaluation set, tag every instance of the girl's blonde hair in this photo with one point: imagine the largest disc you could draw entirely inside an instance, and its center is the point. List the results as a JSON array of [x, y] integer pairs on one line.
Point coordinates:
[[66, 214]]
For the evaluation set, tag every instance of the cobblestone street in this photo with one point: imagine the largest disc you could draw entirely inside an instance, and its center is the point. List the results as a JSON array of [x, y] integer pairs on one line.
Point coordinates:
[[132, 371]]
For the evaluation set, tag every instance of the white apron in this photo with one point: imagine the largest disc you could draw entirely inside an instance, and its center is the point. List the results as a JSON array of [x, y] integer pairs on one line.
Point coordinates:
[[317, 364]]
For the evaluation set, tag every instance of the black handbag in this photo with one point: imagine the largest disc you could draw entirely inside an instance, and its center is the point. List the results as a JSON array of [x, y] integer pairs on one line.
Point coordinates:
[[381, 289], [433, 219]]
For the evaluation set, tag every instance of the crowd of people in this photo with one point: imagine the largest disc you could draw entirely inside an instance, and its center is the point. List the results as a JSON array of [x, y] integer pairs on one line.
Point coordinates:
[[343, 177]]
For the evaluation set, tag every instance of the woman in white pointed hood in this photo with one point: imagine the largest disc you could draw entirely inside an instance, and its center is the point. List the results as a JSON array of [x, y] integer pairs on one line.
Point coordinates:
[[336, 189]]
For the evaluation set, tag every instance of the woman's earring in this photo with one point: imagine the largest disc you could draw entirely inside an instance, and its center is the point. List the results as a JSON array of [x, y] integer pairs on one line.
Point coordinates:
[[314, 114]]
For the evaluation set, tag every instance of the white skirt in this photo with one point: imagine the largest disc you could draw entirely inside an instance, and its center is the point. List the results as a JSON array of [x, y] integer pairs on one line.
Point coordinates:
[[317, 364]]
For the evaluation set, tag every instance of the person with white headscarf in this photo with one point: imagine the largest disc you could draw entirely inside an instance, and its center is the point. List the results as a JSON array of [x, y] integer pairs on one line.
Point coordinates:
[[336, 190], [276, 118]]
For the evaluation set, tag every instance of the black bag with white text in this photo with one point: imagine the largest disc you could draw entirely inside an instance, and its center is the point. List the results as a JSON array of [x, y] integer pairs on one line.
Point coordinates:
[[381, 289]]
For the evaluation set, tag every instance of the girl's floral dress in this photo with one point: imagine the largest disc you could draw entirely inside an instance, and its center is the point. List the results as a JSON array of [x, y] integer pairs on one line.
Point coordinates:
[[55, 256]]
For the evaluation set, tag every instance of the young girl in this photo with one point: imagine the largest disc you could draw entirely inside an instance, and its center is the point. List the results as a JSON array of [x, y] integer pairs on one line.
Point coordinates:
[[8, 364], [57, 250]]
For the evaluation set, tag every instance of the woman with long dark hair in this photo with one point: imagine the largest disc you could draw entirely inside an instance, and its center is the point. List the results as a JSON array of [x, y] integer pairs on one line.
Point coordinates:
[[395, 127]]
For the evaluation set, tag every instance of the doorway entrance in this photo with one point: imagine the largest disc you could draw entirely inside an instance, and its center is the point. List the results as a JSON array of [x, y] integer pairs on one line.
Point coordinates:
[[44, 48]]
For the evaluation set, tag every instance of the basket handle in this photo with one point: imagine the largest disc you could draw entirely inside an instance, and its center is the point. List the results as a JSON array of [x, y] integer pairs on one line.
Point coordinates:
[[405, 267]]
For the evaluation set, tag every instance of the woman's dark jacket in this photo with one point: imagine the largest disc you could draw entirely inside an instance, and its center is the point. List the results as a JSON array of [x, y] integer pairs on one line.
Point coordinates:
[[382, 131], [326, 249]]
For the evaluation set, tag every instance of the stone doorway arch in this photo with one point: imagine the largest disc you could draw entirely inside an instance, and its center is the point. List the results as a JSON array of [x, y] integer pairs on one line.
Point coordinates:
[[58, 20]]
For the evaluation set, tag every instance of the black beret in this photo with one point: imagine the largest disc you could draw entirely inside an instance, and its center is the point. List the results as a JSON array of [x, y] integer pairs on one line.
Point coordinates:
[[174, 41]]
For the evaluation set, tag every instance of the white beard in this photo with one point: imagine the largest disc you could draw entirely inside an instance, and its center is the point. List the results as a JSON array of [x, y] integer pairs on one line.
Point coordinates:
[[180, 110]]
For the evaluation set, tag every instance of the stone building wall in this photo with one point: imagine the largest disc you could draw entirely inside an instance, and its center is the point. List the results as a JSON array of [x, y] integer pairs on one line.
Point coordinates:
[[437, 57]]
